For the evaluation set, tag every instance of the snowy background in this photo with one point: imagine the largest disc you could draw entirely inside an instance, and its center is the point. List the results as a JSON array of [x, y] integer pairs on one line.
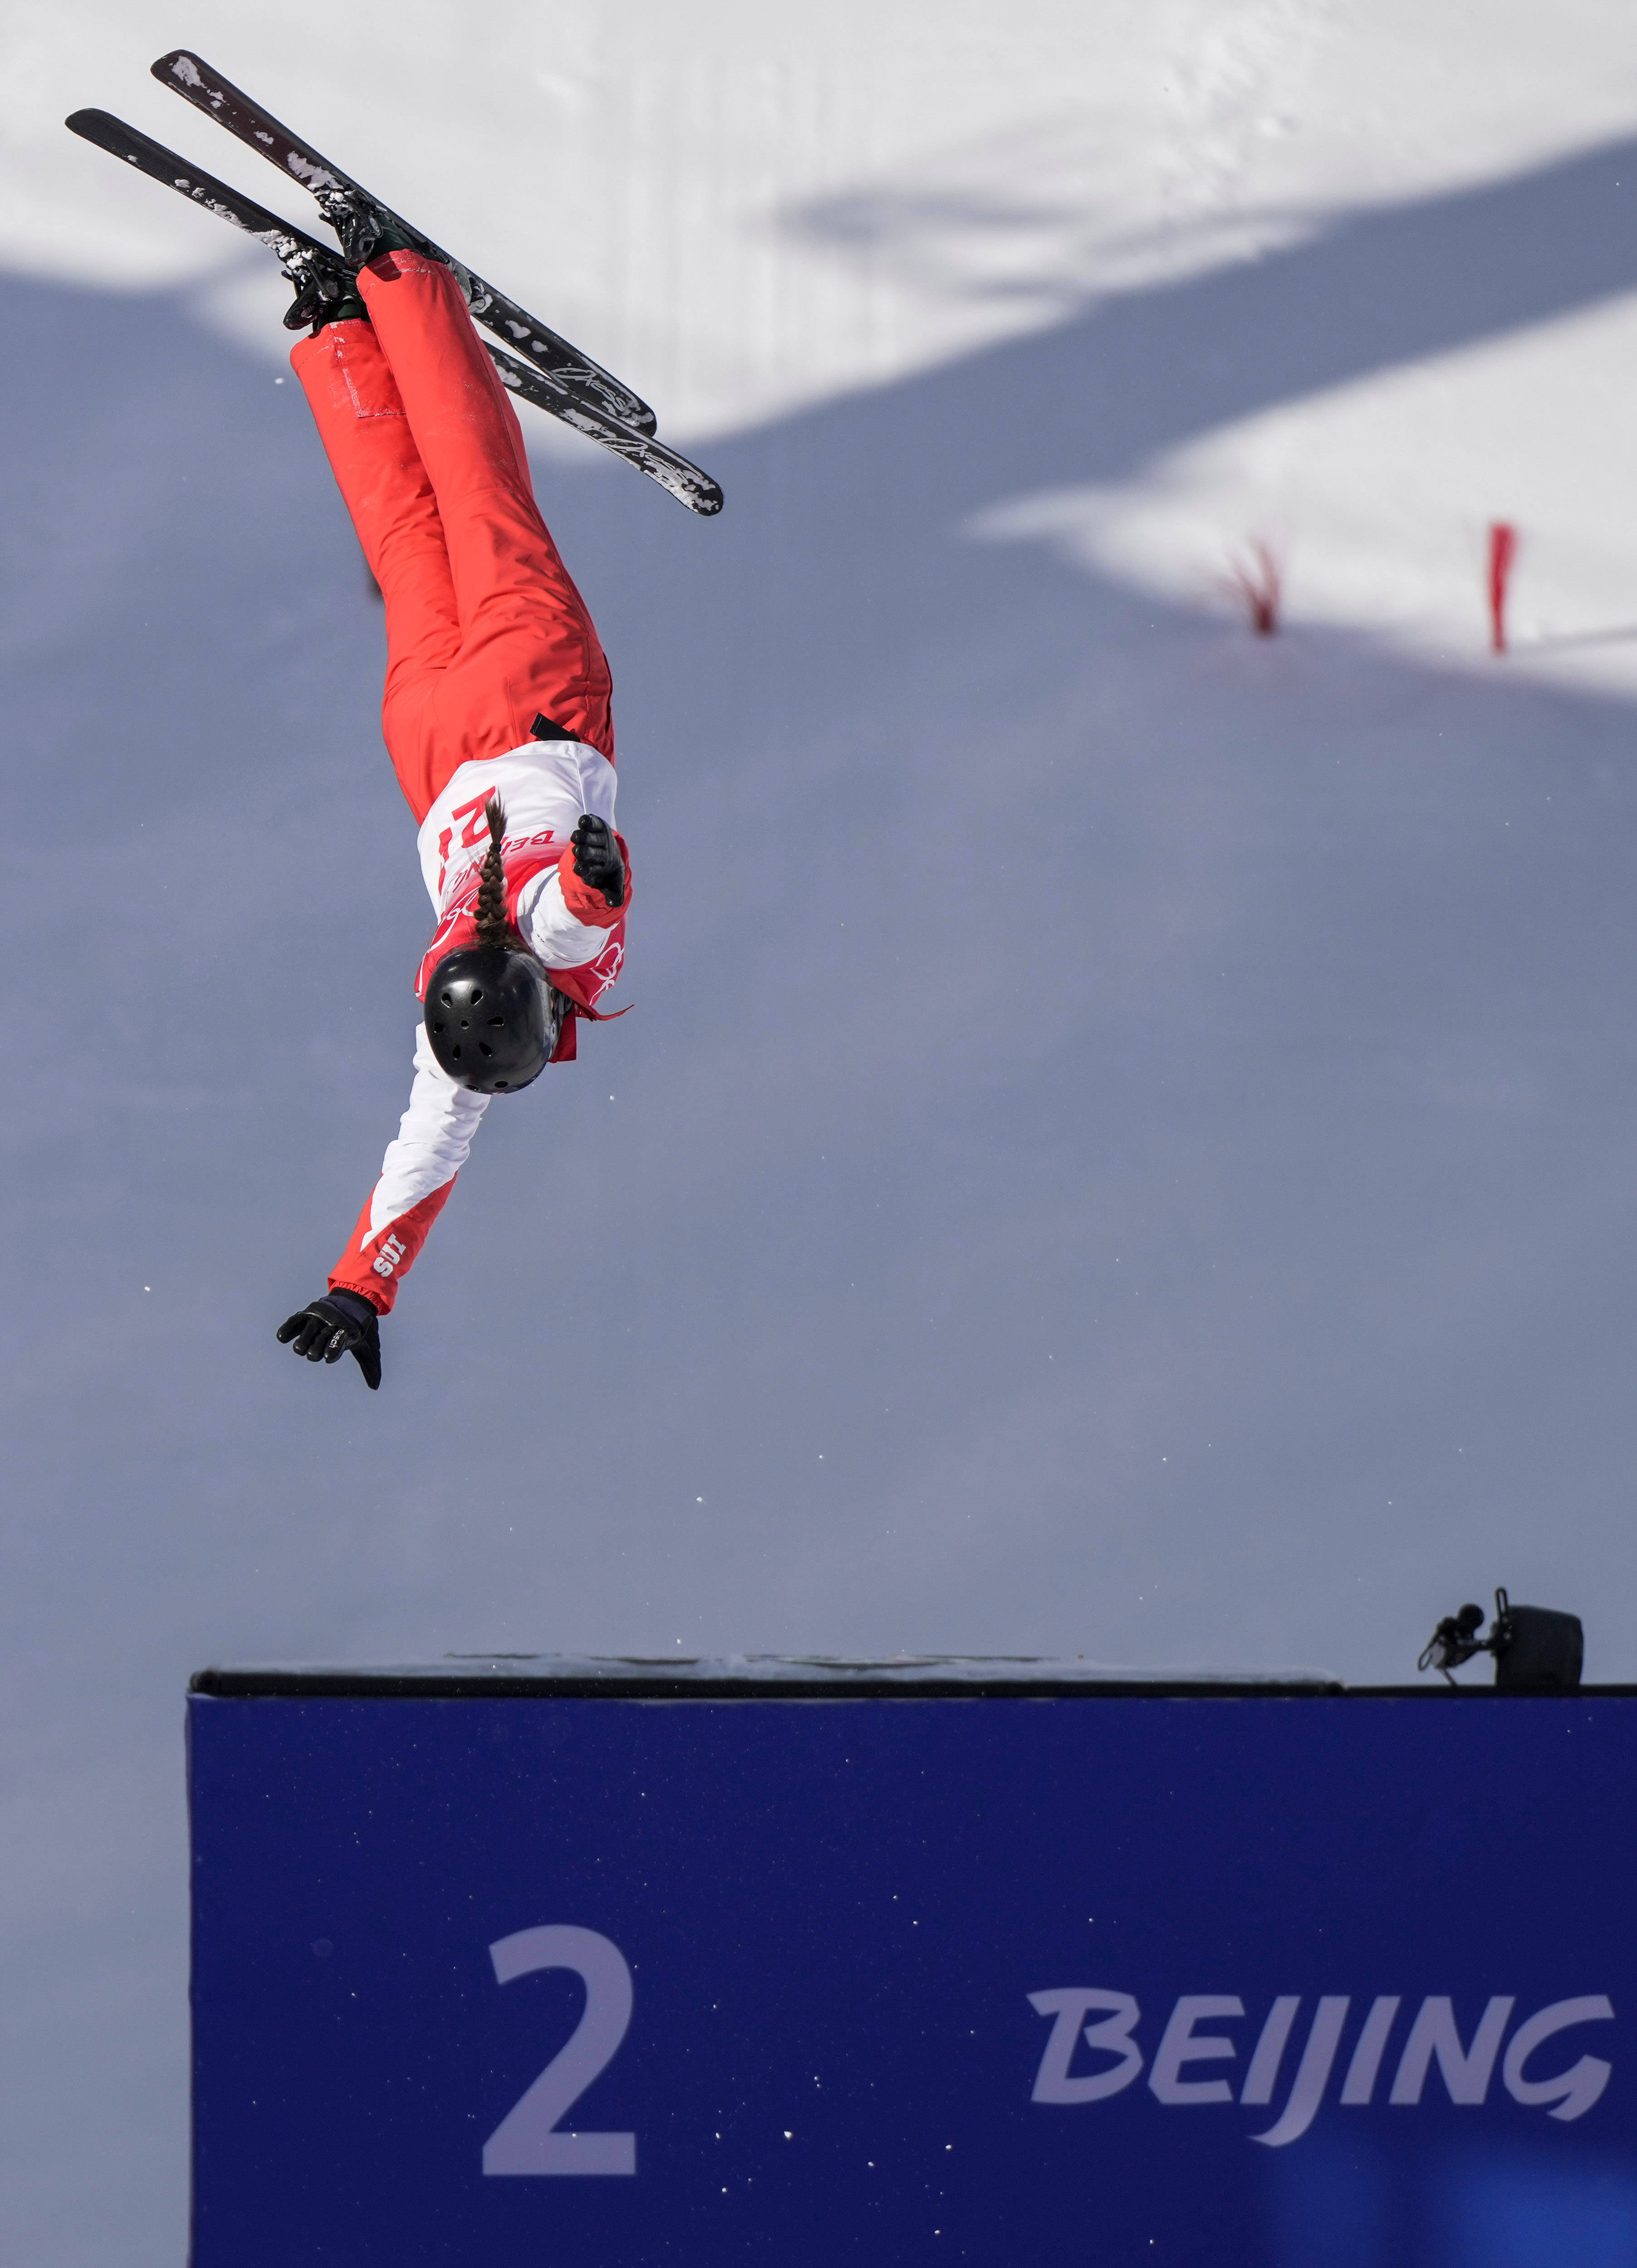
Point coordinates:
[[1124, 1145]]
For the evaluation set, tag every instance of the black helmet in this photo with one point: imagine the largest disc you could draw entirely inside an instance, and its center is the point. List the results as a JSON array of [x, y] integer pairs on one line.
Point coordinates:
[[493, 1018]]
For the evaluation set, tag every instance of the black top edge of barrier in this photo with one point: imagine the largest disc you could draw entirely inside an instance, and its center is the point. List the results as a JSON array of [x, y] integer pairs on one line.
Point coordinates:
[[364, 1685], [498, 1685]]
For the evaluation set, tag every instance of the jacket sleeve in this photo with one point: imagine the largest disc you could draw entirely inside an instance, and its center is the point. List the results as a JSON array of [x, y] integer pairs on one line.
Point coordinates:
[[417, 1173], [580, 937]]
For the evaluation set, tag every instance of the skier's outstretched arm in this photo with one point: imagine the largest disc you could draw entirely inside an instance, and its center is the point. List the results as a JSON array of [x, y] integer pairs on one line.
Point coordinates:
[[417, 1173], [570, 914]]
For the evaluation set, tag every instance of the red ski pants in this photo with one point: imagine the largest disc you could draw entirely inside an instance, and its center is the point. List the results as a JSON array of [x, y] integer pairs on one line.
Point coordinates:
[[484, 629]]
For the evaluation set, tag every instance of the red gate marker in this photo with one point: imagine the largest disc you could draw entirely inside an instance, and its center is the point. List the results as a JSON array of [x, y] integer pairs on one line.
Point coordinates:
[[1502, 552], [1254, 581]]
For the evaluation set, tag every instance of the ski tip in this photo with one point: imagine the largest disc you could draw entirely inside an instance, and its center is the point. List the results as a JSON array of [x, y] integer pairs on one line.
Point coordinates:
[[99, 126], [179, 68]]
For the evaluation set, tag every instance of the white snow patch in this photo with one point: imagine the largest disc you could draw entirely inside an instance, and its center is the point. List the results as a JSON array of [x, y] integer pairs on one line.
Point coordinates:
[[1376, 499]]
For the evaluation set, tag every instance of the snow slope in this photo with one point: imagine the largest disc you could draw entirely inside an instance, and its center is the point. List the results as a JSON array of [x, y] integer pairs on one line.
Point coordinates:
[[1229, 1261]]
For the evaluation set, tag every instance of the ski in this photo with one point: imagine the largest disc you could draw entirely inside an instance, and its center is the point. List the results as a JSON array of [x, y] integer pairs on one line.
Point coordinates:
[[312, 267], [345, 204], [674, 474], [320, 278]]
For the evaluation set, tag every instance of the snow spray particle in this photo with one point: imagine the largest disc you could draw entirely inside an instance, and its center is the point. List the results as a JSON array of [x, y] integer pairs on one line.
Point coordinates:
[[1502, 553]]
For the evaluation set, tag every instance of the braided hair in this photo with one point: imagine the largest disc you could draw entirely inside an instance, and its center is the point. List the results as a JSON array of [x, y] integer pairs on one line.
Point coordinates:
[[495, 933]]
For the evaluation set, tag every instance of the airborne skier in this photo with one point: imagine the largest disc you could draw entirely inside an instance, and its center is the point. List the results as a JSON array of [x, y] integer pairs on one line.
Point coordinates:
[[496, 719], [496, 708]]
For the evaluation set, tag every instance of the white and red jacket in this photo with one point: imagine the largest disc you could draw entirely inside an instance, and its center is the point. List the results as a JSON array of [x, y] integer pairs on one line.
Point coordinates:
[[545, 787]]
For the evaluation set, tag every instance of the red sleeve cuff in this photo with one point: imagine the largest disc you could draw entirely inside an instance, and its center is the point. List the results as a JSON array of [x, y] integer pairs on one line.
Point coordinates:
[[589, 907], [375, 1261]]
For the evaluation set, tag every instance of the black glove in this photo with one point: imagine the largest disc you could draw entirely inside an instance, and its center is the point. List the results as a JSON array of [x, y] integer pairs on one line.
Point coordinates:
[[597, 860], [340, 1323]]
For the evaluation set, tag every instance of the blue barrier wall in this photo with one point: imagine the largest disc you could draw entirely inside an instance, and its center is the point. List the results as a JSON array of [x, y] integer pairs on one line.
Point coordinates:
[[597, 1983]]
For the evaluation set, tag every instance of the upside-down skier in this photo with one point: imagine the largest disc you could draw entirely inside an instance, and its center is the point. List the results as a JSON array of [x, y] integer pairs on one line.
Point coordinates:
[[497, 717], [497, 710]]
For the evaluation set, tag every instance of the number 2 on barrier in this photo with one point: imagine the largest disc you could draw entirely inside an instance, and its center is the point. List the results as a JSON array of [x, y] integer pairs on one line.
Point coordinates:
[[526, 2141]]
